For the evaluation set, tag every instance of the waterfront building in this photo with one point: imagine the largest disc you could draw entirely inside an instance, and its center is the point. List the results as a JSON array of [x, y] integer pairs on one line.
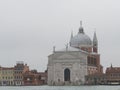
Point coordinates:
[[19, 69], [6, 76], [110, 77], [70, 65], [21, 75], [34, 78], [113, 75], [95, 79]]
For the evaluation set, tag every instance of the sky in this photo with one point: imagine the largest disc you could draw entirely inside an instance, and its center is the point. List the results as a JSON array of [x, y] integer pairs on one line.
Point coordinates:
[[30, 28]]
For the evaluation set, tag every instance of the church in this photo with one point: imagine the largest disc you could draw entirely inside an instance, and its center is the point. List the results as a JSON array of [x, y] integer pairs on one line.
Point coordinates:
[[70, 65]]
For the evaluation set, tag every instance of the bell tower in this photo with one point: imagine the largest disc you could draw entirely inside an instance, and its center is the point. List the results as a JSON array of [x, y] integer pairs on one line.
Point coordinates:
[[95, 43]]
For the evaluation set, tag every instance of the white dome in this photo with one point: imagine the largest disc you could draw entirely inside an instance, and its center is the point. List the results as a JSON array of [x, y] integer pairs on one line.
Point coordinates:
[[80, 40]]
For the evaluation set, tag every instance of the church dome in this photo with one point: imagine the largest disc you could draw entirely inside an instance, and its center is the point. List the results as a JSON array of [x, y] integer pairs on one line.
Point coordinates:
[[81, 39]]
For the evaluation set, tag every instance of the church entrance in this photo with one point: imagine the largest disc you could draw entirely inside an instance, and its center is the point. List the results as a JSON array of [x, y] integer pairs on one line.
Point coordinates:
[[66, 74]]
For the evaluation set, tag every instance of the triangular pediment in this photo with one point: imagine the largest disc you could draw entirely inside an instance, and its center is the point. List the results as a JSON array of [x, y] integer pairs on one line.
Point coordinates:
[[66, 56]]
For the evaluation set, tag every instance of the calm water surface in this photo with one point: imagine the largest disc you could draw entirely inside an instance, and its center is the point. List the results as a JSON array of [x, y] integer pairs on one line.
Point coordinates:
[[60, 88]]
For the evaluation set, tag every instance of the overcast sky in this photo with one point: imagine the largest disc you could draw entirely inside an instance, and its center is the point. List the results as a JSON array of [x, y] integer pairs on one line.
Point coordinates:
[[30, 28]]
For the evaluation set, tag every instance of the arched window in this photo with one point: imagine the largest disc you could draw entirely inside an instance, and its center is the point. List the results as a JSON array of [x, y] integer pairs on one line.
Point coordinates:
[[66, 74]]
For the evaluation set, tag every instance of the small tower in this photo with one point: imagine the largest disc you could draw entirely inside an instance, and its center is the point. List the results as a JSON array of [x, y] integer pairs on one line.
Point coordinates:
[[95, 43], [111, 65], [71, 37], [54, 49]]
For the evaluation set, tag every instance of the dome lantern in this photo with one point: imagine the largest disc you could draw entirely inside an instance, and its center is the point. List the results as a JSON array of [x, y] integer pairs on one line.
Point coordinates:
[[81, 30], [81, 39]]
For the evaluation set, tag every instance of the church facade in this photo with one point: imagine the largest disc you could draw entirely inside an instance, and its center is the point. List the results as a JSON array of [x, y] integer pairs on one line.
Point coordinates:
[[70, 65]]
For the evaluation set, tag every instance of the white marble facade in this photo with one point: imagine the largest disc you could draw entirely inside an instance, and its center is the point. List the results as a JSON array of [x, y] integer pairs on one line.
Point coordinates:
[[67, 67], [70, 65]]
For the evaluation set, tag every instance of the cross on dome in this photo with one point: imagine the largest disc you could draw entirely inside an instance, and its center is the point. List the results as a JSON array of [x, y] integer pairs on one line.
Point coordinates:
[[81, 28], [80, 23]]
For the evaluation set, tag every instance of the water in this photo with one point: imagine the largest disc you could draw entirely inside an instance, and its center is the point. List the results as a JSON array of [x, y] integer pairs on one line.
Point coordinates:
[[60, 88]]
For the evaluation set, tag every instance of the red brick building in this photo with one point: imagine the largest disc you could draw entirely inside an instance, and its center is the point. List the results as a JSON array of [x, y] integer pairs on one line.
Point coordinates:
[[35, 78], [111, 76]]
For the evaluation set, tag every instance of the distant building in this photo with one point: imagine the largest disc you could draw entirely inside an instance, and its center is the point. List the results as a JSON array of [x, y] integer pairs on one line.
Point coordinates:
[[6, 76], [20, 75], [34, 78], [111, 77], [95, 79], [70, 65], [19, 69]]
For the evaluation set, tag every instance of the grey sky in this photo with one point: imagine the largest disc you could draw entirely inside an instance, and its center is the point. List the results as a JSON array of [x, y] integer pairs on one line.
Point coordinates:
[[30, 28]]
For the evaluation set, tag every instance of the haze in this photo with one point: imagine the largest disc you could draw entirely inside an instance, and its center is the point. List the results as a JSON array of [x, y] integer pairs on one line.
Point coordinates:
[[30, 28]]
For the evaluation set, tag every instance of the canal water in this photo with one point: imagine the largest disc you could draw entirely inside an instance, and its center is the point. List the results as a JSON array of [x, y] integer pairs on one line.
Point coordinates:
[[60, 88]]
